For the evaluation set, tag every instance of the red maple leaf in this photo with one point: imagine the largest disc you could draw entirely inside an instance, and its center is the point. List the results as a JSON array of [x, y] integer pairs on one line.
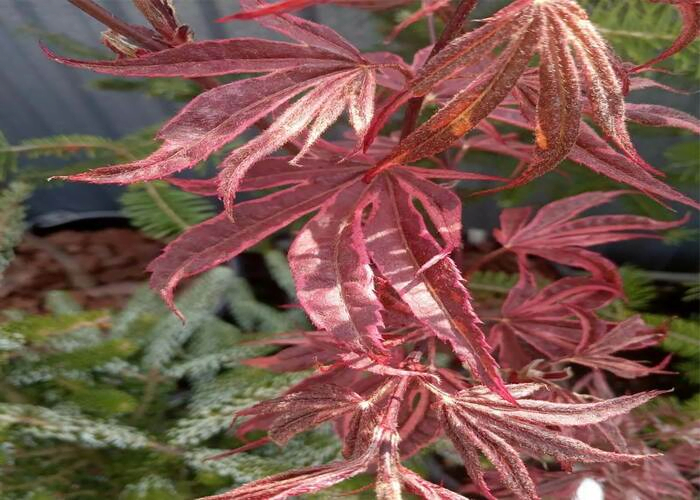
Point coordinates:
[[476, 422], [556, 233], [550, 322], [573, 57], [373, 263], [329, 72], [597, 350]]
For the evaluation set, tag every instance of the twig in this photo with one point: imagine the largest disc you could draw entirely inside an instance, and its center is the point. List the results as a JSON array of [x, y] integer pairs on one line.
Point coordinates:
[[77, 277], [451, 30], [149, 392], [114, 23], [483, 260]]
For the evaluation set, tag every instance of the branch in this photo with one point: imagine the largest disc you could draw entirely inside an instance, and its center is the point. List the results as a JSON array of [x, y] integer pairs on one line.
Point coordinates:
[[452, 29], [483, 260], [117, 25]]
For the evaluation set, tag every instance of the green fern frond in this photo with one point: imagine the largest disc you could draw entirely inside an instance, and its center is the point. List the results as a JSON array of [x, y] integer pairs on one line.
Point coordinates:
[[164, 88], [8, 159], [38, 330], [86, 358], [496, 282], [691, 406], [683, 340], [638, 287], [684, 163], [692, 293], [639, 30], [252, 315], [213, 347], [311, 448], [278, 267], [141, 312], [66, 145], [100, 401], [11, 220], [214, 336], [140, 143], [151, 487], [214, 402], [60, 302], [67, 45], [45, 423], [197, 304], [162, 211]]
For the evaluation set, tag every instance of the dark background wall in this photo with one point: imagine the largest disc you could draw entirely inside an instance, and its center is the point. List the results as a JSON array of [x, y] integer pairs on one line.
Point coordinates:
[[42, 98]]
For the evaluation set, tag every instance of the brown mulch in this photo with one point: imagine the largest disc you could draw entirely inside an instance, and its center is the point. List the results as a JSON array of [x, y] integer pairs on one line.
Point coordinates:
[[100, 268]]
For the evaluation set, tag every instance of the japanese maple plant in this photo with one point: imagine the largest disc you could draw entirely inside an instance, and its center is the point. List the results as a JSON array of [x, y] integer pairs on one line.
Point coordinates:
[[401, 355]]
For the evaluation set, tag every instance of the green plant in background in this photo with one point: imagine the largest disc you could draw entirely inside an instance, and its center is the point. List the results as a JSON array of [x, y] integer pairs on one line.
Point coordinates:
[[132, 404], [161, 211], [12, 224]]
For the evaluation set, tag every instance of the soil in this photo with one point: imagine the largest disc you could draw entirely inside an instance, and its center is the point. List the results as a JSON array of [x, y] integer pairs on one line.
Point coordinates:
[[100, 268]]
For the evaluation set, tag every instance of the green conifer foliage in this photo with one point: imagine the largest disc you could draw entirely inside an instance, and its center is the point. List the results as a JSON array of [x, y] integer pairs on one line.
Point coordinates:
[[132, 404]]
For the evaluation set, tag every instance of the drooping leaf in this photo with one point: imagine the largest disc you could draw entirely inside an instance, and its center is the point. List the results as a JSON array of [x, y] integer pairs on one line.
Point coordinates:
[[400, 245], [332, 273], [655, 115], [220, 239], [690, 13], [475, 423], [12, 220], [162, 211]]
